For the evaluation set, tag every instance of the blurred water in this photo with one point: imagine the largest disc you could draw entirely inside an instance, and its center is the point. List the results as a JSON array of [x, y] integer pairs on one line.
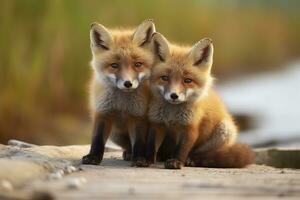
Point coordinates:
[[273, 99]]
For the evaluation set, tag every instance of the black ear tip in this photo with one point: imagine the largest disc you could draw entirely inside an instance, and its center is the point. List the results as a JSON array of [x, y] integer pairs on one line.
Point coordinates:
[[94, 24]]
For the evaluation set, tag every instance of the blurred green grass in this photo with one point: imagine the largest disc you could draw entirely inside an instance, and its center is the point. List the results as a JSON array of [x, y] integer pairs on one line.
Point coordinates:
[[44, 51]]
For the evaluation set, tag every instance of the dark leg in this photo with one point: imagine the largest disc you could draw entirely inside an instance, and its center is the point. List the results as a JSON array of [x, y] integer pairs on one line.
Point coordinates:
[[182, 151], [154, 141], [100, 135], [138, 149], [127, 155], [167, 148], [150, 146], [137, 128], [122, 140]]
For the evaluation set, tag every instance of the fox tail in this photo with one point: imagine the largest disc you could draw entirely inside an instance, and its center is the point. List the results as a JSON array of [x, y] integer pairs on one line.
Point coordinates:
[[234, 156]]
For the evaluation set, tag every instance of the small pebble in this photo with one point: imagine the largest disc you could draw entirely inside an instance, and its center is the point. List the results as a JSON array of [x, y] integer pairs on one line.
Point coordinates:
[[70, 169], [57, 175], [75, 183], [6, 185]]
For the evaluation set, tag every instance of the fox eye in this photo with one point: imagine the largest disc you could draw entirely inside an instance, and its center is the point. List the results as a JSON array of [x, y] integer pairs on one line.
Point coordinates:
[[164, 78], [138, 64], [114, 65], [188, 80]]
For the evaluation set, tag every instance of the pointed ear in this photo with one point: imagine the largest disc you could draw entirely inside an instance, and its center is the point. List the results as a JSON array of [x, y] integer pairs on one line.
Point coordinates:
[[161, 46], [100, 37], [202, 53], [143, 33]]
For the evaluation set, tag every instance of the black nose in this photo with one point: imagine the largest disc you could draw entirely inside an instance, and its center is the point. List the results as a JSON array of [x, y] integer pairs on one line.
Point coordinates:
[[174, 96], [128, 84]]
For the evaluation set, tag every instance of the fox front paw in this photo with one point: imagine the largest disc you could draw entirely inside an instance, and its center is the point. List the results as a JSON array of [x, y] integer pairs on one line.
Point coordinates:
[[140, 162], [91, 159], [173, 164]]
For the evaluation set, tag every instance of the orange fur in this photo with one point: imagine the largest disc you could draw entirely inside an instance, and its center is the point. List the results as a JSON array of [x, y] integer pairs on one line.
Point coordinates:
[[195, 117], [120, 57], [235, 156]]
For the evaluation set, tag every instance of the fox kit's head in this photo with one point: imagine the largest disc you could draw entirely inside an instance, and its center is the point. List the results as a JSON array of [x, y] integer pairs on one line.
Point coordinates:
[[122, 58], [181, 74]]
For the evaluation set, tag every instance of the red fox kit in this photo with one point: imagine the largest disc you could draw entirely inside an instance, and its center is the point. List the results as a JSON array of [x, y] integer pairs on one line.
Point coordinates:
[[187, 110], [119, 89]]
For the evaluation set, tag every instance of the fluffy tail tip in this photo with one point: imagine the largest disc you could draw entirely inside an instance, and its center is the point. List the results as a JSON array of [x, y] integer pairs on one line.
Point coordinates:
[[235, 156]]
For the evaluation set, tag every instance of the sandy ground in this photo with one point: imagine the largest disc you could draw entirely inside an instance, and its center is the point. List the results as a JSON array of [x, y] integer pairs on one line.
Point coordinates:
[[52, 172], [116, 179]]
